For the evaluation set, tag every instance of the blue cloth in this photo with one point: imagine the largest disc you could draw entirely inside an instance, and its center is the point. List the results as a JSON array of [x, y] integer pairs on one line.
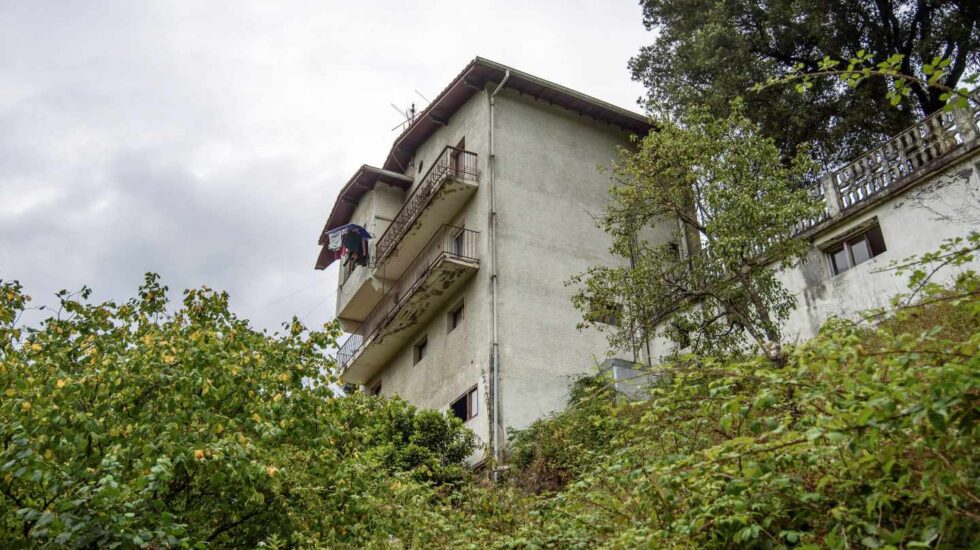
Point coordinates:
[[335, 235]]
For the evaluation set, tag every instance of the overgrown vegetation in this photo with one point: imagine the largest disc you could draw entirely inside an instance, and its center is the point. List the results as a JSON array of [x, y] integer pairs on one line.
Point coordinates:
[[125, 426], [130, 426], [866, 438]]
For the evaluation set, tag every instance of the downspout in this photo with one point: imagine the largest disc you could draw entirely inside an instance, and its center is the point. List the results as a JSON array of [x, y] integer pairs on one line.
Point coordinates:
[[494, 348]]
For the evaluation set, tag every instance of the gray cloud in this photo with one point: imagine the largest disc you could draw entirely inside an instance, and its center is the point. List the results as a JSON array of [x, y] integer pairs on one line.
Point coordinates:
[[207, 140]]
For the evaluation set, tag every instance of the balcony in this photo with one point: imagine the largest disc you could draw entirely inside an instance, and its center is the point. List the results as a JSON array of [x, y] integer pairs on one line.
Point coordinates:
[[902, 160], [436, 200], [433, 277]]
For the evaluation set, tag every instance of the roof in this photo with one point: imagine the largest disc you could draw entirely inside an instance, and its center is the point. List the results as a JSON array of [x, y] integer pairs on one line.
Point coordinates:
[[474, 78], [363, 181], [471, 80]]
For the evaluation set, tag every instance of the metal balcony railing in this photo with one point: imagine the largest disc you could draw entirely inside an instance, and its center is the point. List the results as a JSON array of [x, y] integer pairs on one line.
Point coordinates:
[[452, 163], [448, 242]]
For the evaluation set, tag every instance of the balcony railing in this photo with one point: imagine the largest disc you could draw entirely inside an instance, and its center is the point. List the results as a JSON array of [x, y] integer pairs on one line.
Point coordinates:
[[451, 163], [448, 242], [897, 160]]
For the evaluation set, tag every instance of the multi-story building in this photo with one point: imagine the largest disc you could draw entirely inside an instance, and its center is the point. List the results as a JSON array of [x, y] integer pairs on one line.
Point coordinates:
[[485, 207], [482, 210]]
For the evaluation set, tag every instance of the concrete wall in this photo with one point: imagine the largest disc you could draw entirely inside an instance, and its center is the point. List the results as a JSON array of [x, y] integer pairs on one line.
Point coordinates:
[[374, 212], [456, 360], [942, 206], [549, 191]]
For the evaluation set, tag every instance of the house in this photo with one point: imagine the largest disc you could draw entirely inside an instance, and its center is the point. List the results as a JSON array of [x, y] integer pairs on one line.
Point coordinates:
[[485, 206], [481, 211]]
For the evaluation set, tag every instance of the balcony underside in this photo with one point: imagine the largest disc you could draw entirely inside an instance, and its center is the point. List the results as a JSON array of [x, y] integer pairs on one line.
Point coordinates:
[[367, 294], [436, 287], [441, 209]]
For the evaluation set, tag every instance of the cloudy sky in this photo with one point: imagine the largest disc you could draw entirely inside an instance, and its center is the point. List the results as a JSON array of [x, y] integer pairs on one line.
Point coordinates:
[[206, 140]]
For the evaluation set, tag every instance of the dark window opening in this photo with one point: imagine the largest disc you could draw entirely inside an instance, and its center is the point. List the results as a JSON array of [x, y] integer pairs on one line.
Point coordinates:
[[421, 348], [455, 316], [607, 313], [458, 243], [856, 250], [467, 406], [421, 163], [375, 389], [455, 164]]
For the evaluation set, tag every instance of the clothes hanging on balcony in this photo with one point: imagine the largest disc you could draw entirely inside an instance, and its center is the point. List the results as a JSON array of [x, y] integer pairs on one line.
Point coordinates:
[[351, 242], [356, 248], [335, 236]]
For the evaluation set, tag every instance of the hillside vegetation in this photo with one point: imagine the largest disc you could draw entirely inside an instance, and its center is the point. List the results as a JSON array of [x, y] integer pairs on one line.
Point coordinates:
[[132, 426]]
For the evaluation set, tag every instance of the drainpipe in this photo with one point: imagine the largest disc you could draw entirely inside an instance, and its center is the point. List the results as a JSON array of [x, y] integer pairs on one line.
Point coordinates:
[[494, 348]]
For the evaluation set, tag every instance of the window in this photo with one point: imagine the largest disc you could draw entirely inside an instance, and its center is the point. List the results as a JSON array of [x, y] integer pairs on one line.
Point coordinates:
[[375, 389], [605, 312], [421, 163], [856, 249], [455, 162], [421, 348], [455, 316], [466, 406], [458, 243]]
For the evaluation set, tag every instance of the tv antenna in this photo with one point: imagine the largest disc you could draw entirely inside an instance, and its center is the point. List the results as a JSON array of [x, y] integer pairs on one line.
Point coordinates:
[[408, 115]]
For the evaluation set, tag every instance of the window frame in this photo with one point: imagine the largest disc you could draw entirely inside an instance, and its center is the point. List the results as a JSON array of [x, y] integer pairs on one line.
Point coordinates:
[[420, 349], [844, 247], [452, 322], [471, 402]]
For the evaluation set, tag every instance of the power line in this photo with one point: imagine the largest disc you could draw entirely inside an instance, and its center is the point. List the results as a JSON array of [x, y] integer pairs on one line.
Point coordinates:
[[290, 295]]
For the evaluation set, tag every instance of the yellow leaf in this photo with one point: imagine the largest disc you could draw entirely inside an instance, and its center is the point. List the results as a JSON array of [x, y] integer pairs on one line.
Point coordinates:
[[10, 392], [272, 471], [256, 417], [60, 383], [36, 347], [199, 454]]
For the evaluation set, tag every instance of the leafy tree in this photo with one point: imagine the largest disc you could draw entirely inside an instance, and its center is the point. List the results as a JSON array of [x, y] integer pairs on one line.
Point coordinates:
[[131, 425], [706, 52], [736, 205]]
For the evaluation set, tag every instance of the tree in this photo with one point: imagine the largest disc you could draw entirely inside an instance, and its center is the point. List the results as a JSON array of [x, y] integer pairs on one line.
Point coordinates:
[[735, 204], [707, 52], [136, 426]]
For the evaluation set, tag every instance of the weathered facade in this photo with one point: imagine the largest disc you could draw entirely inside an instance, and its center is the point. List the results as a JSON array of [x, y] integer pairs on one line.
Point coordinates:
[[485, 207]]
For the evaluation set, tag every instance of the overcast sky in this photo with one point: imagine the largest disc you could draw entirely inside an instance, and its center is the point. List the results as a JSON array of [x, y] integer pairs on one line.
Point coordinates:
[[207, 140]]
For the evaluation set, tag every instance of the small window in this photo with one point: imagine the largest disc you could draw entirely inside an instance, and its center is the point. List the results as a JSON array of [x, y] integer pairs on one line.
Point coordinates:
[[605, 312], [421, 348], [421, 163], [856, 250], [467, 406], [455, 316]]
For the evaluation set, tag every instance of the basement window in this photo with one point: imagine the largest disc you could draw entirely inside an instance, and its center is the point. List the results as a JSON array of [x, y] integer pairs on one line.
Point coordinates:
[[467, 406], [856, 249], [455, 316], [421, 348]]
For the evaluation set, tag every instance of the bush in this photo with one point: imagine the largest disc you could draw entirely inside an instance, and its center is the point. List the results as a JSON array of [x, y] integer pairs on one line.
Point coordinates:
[[133, 426]]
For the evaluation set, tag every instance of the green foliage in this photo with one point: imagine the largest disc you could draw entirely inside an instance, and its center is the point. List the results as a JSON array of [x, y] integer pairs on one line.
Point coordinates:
[[135, 426], [738, 205], [706, 52], [868, 437], [864, 66]]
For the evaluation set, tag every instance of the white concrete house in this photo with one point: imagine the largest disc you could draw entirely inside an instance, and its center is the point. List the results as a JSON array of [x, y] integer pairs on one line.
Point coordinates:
[[484, 208]]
